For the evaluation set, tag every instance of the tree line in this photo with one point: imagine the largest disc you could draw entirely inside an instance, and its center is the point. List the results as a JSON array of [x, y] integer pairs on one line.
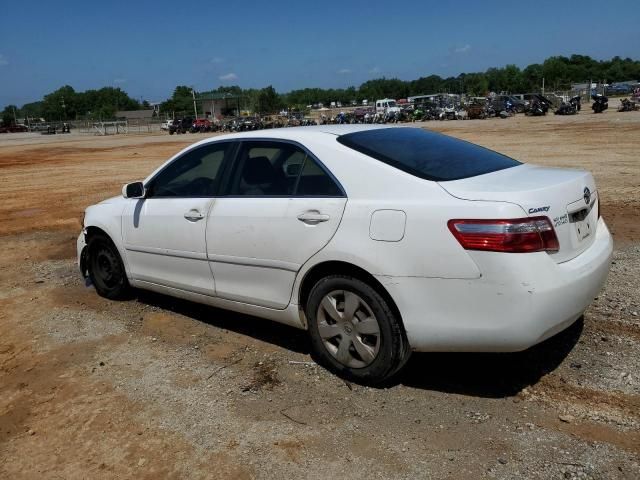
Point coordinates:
[[558, 72], [67, 104]]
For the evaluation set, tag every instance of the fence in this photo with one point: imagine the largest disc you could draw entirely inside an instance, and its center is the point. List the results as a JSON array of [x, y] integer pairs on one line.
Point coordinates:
[[92, 127]]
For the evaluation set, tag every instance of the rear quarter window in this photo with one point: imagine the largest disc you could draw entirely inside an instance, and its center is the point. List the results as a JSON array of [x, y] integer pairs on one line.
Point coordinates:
[[425, 154]]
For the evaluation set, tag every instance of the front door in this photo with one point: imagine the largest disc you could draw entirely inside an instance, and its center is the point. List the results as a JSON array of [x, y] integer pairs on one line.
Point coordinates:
[[281, 208], [164, 233]]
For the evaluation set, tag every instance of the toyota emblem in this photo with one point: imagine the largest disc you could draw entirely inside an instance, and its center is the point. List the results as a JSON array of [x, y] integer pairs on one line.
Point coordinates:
[[587, 195]]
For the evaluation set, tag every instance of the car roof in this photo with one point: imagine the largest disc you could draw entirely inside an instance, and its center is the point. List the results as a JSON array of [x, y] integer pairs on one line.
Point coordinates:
[[295, 133]]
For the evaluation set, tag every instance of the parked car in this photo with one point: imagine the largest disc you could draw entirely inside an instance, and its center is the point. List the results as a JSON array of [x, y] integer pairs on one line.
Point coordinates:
[[15, 128], [620, 89], [543, 101], [166, 124], [182, 125], [200, 125], [446, 246], [518, 104]]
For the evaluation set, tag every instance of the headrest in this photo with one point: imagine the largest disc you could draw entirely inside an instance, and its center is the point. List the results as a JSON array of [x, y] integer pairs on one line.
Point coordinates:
[[258, 171]]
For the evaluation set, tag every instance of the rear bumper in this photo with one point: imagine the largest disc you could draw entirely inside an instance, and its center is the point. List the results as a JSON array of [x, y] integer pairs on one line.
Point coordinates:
[[520, 300]]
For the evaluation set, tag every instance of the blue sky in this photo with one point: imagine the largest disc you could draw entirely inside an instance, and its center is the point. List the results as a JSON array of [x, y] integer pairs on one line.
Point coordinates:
[[149, 47]]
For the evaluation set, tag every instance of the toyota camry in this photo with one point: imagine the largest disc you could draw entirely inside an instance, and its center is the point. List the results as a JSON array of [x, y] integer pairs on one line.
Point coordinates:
[[378, 241]]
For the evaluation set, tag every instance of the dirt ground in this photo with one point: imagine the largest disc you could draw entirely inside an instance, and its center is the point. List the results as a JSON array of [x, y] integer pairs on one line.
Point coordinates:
[[161, 388]]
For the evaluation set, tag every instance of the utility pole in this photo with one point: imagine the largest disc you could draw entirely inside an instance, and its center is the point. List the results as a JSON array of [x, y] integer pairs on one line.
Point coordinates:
[[195, 109]]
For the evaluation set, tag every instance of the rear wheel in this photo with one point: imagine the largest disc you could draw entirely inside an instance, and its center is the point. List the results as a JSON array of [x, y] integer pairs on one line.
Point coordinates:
[[354, 332], [106, 269]]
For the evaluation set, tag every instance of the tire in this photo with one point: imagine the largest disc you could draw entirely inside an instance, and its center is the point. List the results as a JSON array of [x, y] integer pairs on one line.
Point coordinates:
[[367, 347], [106, 270]]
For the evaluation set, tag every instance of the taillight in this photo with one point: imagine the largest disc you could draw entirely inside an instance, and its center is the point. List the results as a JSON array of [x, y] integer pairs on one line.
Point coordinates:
[[518, 235]]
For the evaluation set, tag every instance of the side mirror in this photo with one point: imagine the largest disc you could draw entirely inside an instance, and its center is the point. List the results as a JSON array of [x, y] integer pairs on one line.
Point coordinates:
[[133, 190]]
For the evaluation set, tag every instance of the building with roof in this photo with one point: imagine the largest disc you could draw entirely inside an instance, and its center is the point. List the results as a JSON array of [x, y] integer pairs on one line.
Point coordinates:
[[135, 114], [216, 105]]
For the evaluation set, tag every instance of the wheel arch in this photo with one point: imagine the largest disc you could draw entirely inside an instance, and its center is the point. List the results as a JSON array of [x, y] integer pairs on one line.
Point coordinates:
[[96, 228], [338, 267], [93, 230], [84, 255]]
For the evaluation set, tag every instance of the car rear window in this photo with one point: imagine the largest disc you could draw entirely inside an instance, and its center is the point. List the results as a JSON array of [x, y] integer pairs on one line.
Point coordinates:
[[425, 154]]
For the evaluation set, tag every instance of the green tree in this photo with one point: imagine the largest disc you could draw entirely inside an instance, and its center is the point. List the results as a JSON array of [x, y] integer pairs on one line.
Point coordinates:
[[475, 84], [60, 104], [32, 110], [180, 103], [426, 85], [8, 114], [268, 100], [532, 77]]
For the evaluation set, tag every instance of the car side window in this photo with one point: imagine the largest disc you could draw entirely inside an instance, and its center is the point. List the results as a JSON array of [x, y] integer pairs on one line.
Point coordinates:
[[196, 174], [259, 170], [316, 182], [268, 169]]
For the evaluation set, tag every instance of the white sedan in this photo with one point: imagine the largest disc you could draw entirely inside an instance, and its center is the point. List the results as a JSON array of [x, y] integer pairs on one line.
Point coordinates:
[[378, 241]]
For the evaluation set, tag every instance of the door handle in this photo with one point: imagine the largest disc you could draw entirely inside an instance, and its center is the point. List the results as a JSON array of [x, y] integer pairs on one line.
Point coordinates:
[[313, 217], [193, 215]]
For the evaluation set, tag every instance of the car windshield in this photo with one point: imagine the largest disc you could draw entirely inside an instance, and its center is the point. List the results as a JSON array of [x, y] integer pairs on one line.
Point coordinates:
[[391, 104], [425, 154]]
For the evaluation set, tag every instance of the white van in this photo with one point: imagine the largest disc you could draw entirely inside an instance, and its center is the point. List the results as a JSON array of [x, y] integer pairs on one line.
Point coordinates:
[[386, 105]]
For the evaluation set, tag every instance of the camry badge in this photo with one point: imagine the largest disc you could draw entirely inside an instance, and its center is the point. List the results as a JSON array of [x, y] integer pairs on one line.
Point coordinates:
[[587, 195]]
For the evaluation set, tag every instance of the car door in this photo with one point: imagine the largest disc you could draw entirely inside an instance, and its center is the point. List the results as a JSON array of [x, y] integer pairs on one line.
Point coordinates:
[[281, 207], [164, 233]]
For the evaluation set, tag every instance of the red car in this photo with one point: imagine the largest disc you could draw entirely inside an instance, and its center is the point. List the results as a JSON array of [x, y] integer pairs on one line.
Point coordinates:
[[200, 125], [13, 128]]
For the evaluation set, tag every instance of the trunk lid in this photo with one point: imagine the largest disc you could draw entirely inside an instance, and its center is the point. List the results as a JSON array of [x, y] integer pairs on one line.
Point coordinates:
[[567, 197]]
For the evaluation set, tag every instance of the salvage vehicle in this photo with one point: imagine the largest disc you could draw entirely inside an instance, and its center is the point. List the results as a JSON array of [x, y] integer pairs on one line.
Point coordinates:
[[627, 105], [518, 104], [13, 128], [600, 103], [200, 125], [544, 103], [387, 106], [377, 240], [180, 126], [571, 107], [536, 108]]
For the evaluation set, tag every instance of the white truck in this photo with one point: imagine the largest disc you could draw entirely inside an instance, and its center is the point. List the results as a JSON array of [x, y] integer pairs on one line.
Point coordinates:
[[387, 105]]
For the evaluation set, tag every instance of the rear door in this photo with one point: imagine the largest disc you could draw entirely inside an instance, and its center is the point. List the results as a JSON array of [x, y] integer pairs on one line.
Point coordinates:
[[281, 207]]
